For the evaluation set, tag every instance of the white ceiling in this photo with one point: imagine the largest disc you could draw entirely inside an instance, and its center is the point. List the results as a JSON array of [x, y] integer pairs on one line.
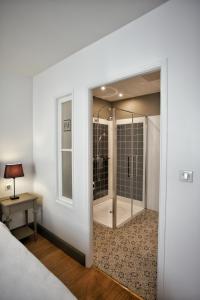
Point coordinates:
[[130, 88], [35, 34]]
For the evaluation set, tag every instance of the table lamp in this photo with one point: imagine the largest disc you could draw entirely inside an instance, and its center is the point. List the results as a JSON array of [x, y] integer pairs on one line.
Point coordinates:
[[13, 171]]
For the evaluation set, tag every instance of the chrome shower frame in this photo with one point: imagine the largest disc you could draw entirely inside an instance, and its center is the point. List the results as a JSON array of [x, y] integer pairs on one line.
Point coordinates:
[[114, 164]]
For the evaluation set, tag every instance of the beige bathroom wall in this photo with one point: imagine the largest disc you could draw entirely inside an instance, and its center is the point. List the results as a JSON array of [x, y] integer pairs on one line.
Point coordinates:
[[145, 105], [100, 104]]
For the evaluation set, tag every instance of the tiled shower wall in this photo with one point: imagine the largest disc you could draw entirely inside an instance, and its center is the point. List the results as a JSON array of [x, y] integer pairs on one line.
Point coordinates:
[[100, 160], [130, 151]]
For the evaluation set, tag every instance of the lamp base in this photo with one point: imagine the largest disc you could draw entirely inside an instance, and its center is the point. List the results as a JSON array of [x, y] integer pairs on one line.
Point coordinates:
[[14, 197]]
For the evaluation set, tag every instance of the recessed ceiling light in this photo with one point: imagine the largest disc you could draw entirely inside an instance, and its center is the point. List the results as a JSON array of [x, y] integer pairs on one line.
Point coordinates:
[[103, 88], [120, 95]]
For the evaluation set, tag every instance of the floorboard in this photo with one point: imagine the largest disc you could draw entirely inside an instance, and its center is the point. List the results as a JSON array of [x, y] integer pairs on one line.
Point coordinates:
[[85, 284]]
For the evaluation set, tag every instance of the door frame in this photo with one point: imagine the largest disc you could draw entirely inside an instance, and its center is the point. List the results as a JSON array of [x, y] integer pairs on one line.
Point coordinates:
[[161, 65]]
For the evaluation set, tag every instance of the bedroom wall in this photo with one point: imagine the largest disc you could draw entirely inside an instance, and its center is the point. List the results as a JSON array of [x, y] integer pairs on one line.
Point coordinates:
[[16, 133], [170, 32]]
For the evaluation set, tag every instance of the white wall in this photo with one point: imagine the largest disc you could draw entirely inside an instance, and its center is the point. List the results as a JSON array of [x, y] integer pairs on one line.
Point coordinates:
[[153, 162], [171, 32], [16, 133]]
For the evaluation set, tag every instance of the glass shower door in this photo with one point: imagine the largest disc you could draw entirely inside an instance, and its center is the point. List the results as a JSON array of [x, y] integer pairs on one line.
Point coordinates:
[[124, 133], [118, 167], [130, 166], [138, 175]]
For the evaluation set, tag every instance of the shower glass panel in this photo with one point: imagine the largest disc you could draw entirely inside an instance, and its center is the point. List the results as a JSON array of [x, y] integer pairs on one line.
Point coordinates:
[[130, 168], [118, 166], [100, 159], [102, 201], [124, 133]]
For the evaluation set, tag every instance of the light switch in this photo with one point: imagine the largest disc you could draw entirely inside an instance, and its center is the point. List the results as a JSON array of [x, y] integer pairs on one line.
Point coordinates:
[[186, 176]]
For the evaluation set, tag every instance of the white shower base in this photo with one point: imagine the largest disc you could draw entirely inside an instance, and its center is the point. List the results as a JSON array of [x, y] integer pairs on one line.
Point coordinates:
[[102, 210]]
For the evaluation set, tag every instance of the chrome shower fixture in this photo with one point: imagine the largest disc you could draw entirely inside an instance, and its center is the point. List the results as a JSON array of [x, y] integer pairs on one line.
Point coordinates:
[[103, 134], [110, 117]]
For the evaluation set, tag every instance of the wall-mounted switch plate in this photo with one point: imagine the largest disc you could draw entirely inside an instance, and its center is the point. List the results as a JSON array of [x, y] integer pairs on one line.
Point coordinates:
[[186, 176]]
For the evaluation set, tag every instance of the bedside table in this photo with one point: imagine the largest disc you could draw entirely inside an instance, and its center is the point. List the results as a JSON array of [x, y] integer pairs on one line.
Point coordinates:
[[25, 202]]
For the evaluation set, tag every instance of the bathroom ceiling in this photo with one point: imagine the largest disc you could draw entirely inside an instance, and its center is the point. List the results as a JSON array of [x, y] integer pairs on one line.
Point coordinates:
[[36, 34], [146, 84]]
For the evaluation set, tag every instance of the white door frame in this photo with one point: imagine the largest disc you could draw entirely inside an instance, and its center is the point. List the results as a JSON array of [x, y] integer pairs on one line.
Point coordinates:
[[162, 65]]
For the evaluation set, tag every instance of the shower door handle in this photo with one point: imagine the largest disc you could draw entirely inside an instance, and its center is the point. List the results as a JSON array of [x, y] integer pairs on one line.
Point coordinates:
[[136, 171], [128, 166], [136, 164]]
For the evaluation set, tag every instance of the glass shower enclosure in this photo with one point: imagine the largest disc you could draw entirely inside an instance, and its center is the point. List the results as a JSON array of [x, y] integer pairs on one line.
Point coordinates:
[[119, 160]]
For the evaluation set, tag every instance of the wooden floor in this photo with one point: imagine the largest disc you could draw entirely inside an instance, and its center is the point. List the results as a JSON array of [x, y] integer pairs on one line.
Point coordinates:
[[84, 283]]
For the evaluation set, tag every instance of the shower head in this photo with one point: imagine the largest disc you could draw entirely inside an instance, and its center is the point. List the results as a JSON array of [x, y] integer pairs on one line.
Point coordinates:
[[103, 134]]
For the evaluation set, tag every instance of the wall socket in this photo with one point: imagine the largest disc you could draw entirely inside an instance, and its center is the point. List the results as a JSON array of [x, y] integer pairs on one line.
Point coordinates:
[[8, 187]]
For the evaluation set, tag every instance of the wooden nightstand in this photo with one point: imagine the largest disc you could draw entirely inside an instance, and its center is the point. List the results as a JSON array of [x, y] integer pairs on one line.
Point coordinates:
[[25, 202]]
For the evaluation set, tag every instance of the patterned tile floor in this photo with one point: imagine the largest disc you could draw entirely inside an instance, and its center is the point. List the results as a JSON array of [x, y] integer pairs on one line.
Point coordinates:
[[129, 253]]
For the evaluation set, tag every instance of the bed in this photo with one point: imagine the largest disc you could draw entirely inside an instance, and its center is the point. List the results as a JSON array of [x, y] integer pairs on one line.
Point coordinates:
[[23, 277]]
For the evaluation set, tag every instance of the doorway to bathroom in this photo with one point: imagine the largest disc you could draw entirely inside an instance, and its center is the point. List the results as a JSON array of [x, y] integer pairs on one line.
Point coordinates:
[[126, 164]]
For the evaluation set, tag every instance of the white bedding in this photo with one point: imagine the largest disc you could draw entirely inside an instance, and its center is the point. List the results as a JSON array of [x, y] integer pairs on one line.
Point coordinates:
[[23, 277]]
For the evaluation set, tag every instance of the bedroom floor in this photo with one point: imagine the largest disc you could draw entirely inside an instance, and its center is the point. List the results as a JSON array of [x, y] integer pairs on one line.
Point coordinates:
[[129, 253], [85, 284]]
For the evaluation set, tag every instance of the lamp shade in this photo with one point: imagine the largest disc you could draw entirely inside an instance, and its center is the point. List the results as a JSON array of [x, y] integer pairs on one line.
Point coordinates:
[[13, 171]]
